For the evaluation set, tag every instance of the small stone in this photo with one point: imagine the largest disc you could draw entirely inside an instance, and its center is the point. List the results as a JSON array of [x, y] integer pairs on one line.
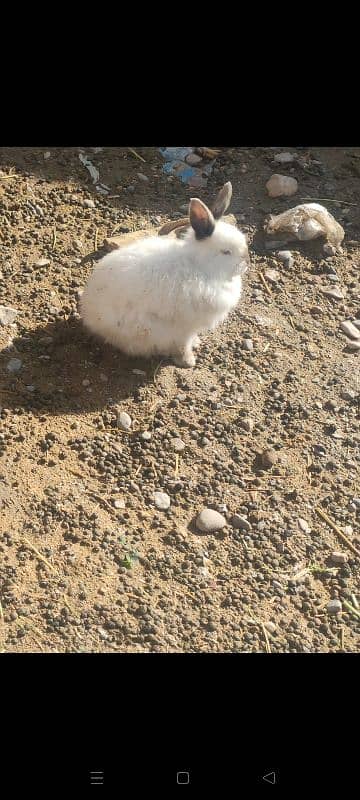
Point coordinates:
[[356, 322], [178, 445], [334, 607], [248, 344], [86, 382], [162, 501], [204, 441], [270, 627], [286, 257], [89, 203], [240, 522], [119, 503], [208, 521], [14, 365], [329, 249], [142, 177], [350, 329], [272, 275], [281, 186], [124, 421], [193, 160], [247, 423], [8, 315], [146, 436], [47, 155], [103, 377], [138, 372], [43, 262], [268, 458], [284, 158], [303, 525], [353, 345], [339, 558], [334, 294]]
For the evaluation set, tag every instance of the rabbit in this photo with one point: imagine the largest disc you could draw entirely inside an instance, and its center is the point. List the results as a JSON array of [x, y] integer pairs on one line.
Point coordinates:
[[155, 296]]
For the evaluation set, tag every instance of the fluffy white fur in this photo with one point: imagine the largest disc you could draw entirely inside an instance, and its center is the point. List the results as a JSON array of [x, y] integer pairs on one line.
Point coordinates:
[[158, 294]]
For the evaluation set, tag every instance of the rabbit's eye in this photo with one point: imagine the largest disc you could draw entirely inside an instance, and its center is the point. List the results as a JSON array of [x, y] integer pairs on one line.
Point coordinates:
[[226, 252]]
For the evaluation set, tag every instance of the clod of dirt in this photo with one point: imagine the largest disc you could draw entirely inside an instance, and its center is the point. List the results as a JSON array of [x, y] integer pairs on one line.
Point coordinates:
[[268, 458]]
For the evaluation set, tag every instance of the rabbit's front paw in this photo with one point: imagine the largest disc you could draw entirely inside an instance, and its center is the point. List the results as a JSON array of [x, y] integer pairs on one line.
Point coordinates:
[[185, 358]]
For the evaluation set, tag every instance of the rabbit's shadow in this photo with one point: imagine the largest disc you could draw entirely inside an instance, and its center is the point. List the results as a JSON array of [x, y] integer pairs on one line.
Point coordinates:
[[64, 369]]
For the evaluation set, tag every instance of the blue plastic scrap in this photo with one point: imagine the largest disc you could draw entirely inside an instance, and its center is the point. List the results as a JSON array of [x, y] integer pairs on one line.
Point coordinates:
[[175, 164]]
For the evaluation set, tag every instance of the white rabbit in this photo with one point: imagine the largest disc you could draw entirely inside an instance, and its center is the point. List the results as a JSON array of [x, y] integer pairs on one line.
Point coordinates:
[[156, 295]]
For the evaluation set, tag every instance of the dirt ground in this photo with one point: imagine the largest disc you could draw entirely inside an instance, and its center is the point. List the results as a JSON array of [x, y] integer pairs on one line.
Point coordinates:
[[87, 563]]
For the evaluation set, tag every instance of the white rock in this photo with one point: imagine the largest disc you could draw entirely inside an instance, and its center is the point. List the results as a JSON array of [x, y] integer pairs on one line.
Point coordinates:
[[86, 382], [43, 262], [162, 501], [146, 436], [8, 315], [303, 525], [329, 249], [281, 186], [335, 294], [178, 445], [119, 503], [47, 155], [284, 158], [124, 421], [286, 257], [209, 521], [142, 177], [89, 203], [350, 329]]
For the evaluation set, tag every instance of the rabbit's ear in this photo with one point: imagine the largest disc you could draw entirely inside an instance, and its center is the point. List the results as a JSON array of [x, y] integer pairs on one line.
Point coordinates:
[[201, 219], [222, 201]]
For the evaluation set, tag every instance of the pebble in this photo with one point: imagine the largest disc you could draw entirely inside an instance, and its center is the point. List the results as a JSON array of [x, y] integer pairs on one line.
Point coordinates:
[[124, 421], [43, 262], [193, 160], [329, 249], [89, 203], [353, 345], [284, 158], [303, 525], [209, 521], [286, 257], [14, 365], [281, 186], [47, 155], [334, 607], [356, 322], [178, 445], [119, 503], [272, 275], [86, 382], [270, 627], [339, 558], [248, 424], [162, 501], [142, 177], [268, 458], [248, 344], [146, 436], [350, 329], [335, 294], [8, 315], [240, 522]]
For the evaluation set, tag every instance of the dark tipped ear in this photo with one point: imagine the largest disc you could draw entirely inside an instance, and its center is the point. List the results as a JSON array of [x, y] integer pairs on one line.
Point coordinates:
[[222, 201], [201, 219]]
